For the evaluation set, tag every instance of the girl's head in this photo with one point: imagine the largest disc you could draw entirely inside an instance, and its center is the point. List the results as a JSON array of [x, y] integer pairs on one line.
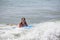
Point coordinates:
[[23, 19]]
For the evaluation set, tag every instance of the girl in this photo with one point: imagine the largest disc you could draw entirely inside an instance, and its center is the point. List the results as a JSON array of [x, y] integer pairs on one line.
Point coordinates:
[[23, 22]]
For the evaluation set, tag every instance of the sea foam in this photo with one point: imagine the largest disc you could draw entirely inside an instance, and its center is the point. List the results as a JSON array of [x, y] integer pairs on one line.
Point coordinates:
[[40, 31]]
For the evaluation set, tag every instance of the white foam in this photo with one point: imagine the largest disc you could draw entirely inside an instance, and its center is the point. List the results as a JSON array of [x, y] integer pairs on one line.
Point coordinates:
[[41, 31]]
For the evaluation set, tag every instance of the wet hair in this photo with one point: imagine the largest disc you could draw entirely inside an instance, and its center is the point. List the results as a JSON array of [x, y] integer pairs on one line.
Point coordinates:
[[23, 18]]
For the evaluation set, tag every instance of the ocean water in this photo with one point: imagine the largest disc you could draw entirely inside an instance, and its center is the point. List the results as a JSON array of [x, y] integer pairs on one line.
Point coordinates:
[[42, 15], [35, 11]]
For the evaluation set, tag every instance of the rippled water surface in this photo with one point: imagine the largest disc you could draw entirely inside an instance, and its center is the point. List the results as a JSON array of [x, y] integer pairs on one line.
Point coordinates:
[[35, 11]]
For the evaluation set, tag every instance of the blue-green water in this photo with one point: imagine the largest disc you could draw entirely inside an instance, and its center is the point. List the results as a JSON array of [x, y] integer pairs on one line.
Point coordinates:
[[35, 11]]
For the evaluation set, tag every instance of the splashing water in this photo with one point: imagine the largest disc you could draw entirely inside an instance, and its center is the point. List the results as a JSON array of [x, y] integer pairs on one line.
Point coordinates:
[[41, 31]]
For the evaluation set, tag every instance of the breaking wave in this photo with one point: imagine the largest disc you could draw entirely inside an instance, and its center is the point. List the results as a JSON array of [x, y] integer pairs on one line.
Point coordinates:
[[41, 31]]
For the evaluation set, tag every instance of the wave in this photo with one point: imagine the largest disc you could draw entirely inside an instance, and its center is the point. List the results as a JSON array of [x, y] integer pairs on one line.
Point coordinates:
[[41, 31]]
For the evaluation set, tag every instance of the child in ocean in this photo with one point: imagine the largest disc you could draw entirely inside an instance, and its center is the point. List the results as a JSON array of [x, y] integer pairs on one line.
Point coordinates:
[[23, 22]]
